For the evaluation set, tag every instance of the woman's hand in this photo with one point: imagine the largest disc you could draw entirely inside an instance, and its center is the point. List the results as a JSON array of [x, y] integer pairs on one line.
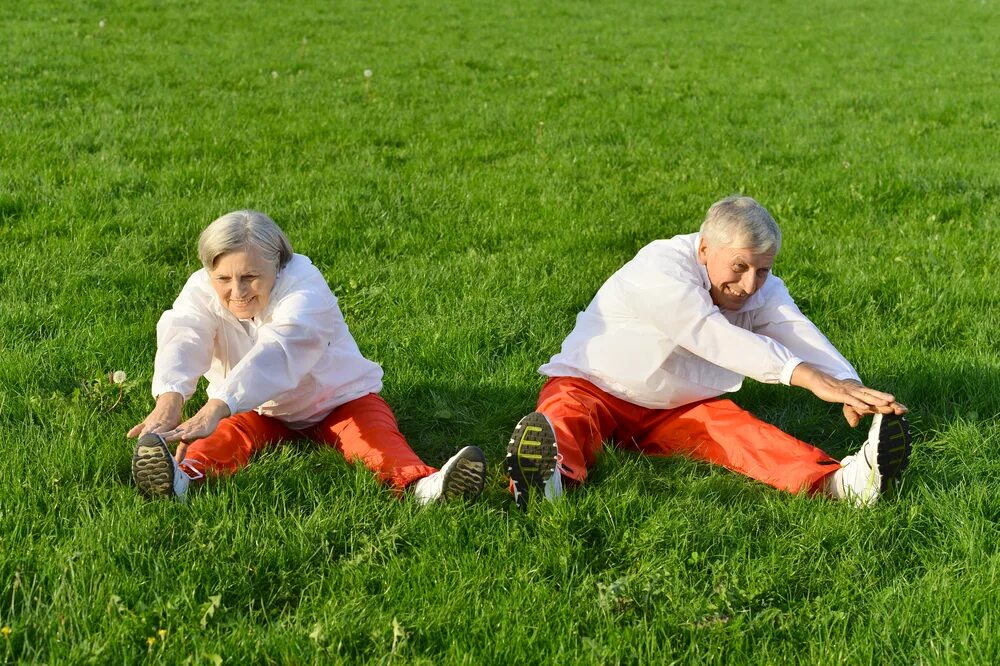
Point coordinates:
[[199, 426], [165, 415], [858, 399]]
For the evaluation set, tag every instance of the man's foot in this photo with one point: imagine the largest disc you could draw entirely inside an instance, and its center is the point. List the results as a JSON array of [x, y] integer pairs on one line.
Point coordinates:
[[155, 471], [877, 467], [463, 476], [532, 458]]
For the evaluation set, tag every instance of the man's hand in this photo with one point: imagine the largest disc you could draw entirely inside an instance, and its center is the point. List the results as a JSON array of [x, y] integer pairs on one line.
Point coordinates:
[[165, 415], [198, 426], [852, 415], [858, 399]]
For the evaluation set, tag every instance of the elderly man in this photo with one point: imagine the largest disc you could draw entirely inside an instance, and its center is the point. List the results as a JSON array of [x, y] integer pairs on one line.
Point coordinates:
[[682, 323]]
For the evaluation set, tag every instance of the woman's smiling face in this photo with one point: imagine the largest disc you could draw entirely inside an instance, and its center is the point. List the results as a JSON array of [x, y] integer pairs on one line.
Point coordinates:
[[243, 280]]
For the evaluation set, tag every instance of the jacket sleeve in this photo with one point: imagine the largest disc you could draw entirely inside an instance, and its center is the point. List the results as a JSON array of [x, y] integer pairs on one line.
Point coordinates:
[[302, 326], [681, 308], [185, 336], [781, 320]]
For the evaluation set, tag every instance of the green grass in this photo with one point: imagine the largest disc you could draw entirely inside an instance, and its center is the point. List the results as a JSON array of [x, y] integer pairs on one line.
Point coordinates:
[[465, 202]]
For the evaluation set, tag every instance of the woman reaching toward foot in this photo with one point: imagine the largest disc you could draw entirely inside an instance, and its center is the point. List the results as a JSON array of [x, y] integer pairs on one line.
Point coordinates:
[[261, 325]]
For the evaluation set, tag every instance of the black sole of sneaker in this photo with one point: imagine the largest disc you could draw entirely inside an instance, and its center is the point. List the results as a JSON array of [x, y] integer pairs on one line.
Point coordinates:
[[894, 447], [531, 456], [468, 477], [152, 467]]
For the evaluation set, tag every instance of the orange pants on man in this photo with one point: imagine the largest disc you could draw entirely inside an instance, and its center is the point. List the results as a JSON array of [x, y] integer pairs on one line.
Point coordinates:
[[363, 429], [716, 431]]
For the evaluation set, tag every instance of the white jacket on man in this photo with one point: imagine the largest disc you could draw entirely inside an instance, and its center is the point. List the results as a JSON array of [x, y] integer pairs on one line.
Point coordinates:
[[653, 337], [296, 361]]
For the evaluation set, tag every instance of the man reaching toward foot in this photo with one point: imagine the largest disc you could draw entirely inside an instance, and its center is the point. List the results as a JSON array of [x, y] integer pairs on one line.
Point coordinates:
[[675, 328]]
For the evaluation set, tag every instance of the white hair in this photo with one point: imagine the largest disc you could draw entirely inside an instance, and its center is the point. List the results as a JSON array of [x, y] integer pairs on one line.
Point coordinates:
[[741, 222], [241, 230]]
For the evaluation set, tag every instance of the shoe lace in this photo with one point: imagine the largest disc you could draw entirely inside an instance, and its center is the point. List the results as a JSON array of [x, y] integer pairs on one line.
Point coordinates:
[[563, 468], [188, 467]]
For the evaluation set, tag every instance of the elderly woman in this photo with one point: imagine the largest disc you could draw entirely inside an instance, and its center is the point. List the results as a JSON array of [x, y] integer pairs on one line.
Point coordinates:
[[261, 324]]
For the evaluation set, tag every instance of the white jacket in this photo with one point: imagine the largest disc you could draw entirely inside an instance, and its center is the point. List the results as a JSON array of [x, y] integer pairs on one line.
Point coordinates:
[[295, 361], [653, 337]]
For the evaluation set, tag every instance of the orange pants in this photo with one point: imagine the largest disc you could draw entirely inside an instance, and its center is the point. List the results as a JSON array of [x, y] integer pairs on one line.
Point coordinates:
[[715, 431], [363, 429]]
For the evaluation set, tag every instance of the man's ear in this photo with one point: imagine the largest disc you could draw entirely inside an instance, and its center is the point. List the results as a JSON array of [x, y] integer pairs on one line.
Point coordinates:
[[702, 251]]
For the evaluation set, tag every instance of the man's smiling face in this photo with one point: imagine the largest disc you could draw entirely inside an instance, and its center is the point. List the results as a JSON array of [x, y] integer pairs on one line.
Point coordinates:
[[735, 273]]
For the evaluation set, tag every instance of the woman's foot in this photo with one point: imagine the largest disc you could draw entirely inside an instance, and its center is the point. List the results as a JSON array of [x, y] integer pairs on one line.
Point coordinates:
[[463, 476], [155, 471]]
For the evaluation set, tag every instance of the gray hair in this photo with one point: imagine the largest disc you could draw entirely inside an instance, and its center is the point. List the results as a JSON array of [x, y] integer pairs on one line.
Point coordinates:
[[240, 230], [741, 222]]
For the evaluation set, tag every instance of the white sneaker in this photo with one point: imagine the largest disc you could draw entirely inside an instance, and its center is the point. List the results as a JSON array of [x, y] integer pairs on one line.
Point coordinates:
[[877, 466], [155, 471], [532, 460], [464, 475]]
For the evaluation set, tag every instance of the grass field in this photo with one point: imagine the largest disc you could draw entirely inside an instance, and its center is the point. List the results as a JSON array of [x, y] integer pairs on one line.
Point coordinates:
[[464, 202]]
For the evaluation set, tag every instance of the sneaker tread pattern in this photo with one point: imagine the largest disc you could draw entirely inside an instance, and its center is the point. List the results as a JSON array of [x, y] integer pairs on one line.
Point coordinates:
[[893, 456], [531, 456], [152, 469], [468, 478]]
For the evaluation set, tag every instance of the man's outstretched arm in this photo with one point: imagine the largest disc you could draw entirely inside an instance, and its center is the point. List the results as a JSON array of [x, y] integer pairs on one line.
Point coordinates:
[[781, 320], [858, 399]]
